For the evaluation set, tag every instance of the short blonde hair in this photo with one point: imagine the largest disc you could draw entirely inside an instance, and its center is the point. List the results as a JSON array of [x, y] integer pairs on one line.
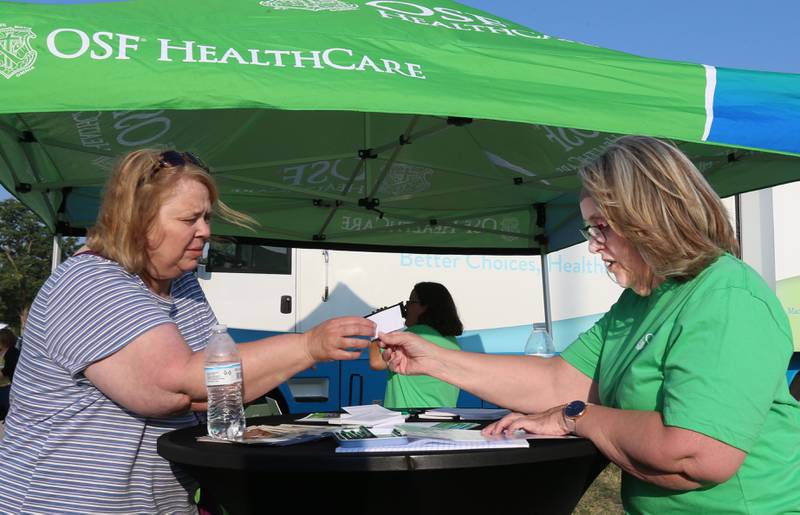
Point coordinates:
[[133, 196], [654, 197]]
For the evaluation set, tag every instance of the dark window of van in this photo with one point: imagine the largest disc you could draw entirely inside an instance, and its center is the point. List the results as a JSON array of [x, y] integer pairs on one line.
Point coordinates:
[[232, 257]]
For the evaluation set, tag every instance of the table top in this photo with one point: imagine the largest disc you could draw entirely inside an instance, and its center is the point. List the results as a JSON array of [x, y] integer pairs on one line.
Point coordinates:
[[181, 447]]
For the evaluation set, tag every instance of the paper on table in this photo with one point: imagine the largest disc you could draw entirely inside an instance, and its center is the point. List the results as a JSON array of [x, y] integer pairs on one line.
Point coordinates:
[[530, 436], [369, 415], [448, 425], [388, 320], [456, 435], [471, 413], [432, 424], [427, 445], [426, 415], [454, 431], [321, 417], [284, 434]]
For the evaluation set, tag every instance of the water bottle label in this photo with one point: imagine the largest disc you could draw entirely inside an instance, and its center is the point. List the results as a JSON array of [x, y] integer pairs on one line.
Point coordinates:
[[220, 375]]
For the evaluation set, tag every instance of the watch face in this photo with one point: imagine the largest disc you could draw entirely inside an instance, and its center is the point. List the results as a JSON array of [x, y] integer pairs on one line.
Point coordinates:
[[574, 409]]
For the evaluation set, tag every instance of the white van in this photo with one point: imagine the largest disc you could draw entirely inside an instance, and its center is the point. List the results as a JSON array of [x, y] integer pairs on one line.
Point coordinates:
[[259, 290]]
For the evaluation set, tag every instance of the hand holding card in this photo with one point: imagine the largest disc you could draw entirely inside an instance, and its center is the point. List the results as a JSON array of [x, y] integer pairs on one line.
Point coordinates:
[[388, 319]]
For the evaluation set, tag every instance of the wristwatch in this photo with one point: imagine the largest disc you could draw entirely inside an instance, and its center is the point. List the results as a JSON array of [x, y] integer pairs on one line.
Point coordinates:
[[572, 412]]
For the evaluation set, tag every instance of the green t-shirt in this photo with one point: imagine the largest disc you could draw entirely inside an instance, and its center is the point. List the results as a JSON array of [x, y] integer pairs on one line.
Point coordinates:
[[711, 355], [422, 391]]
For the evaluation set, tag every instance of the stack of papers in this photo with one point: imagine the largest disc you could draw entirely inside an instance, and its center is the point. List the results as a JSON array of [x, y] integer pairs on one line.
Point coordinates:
[[463, 432], [320, 416], [434, 415], [370, 415], [443, 433], [284, 434], [466, 413], [443, 436], [433, 445]]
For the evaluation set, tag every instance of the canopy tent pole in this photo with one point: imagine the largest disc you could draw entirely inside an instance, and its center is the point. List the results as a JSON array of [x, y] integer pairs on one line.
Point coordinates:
[[542, 239], [548, 320], [56, 260]]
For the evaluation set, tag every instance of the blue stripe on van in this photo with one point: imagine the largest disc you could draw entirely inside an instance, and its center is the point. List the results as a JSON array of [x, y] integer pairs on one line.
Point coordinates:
[[794, 367]]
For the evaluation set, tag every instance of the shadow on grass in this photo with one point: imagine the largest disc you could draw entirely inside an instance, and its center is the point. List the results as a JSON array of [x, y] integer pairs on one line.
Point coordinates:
[[603, 496]]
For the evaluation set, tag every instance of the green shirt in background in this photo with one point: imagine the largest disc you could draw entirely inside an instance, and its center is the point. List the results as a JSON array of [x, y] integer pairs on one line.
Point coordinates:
[[711, 355], [422, 391]]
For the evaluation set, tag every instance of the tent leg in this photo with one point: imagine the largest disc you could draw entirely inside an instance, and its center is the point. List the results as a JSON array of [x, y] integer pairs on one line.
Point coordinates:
[[56, 253], [548, 320]]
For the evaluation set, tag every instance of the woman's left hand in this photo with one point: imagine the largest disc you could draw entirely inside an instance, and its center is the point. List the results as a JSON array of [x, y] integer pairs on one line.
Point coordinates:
[[550, 422]]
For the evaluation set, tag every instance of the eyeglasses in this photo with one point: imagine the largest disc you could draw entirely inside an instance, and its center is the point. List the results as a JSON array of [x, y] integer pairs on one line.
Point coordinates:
[[594, 232], [404, 306]]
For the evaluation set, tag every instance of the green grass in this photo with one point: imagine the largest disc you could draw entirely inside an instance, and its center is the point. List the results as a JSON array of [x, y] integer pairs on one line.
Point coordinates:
[[603, 496]]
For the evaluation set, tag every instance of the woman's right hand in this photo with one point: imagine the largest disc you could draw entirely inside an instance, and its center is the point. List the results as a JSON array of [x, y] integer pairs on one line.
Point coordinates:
[[335, 339], [408, 354]]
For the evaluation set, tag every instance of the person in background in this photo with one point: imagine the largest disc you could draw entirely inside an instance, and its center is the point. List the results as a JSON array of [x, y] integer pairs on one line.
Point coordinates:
[[113, 351], [683, 382], [8, 363], [431, 314]]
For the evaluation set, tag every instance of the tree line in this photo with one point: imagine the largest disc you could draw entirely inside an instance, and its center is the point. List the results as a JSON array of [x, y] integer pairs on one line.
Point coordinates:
[[26, 248]]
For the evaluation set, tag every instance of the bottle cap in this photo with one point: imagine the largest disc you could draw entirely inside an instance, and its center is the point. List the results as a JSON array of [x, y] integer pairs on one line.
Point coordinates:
[[219, 328], [540, 325]]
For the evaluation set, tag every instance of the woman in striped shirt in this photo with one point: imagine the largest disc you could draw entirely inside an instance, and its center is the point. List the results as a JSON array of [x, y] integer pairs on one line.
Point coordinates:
[[112, 351]]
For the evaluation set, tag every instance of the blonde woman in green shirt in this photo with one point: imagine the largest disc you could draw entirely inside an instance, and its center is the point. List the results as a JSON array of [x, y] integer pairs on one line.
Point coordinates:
[[431, 314], [682, 383]]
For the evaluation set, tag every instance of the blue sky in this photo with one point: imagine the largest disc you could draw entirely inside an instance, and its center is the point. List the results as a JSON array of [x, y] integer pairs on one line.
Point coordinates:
[[758, 35]]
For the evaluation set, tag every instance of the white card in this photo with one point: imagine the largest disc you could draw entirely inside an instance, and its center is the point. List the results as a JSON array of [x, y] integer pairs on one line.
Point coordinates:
[[388, 319]]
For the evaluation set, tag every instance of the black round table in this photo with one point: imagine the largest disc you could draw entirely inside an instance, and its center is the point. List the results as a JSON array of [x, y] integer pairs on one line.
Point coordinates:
[[548, 477]]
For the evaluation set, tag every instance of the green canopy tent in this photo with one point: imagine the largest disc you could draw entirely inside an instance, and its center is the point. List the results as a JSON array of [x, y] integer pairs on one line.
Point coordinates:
[[374, 125], [371, 124]]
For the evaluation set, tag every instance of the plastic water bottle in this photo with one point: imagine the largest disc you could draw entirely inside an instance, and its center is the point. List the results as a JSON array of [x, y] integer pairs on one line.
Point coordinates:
[[539, 342], [223, 369]]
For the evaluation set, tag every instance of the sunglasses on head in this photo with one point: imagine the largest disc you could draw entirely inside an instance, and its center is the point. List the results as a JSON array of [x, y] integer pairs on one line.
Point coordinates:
[[175, 158]]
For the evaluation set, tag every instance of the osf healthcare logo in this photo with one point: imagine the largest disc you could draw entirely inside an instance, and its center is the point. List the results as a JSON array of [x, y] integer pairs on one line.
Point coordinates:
[[17, 57], [310, 5]]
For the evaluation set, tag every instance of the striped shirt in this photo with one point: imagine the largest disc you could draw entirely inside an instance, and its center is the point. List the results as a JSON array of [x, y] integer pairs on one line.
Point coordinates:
[[68, 448]]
